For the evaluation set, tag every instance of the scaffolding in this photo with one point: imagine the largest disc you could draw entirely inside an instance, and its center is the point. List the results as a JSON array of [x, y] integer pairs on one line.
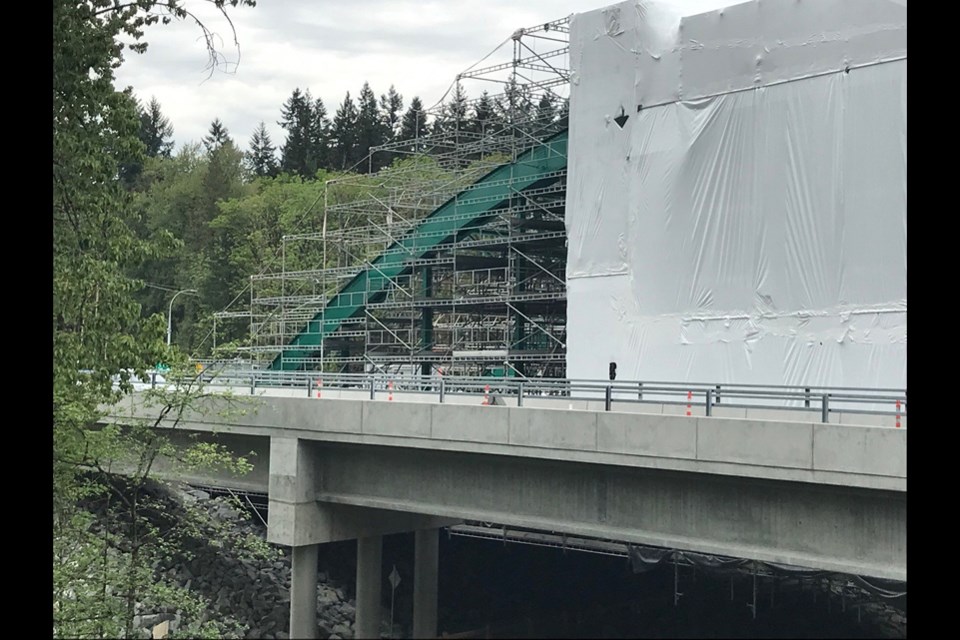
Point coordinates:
[[451, 257]]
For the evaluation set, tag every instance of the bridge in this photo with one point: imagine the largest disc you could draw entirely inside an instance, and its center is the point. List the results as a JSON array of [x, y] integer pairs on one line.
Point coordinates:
[[807, 477]]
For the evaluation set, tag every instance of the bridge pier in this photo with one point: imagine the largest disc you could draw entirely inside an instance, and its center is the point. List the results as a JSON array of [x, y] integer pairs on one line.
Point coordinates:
[[303, 592], [425, 575], [369, 573]]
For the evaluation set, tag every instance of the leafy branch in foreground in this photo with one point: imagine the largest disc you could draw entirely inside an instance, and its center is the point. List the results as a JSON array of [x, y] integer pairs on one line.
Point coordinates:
[[100, 334]]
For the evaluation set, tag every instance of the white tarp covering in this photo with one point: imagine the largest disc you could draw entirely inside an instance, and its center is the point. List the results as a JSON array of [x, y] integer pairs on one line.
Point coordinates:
[[747, 223]]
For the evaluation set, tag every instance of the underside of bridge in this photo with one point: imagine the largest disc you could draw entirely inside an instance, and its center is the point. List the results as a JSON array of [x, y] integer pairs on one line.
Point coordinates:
[[326, 491]]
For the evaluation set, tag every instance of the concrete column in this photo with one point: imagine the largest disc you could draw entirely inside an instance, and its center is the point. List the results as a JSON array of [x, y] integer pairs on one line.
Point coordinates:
[[426, 564], [369, 560], [303, 592]]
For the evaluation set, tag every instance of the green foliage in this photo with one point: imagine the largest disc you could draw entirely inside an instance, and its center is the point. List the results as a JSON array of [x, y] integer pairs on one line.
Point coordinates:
[[99, 327], [344, 138], [262, 159], [215, 457], [217, 136]]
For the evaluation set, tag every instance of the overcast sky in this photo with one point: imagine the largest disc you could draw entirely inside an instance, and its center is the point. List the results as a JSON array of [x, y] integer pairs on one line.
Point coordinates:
[[328, 46]]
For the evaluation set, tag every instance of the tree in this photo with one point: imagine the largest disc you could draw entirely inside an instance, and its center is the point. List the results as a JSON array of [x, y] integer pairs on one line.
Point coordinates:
[[453, 116], [305, 149], [414, 123], [262, 159], [484, 115], [371, 129], [217, 137], [563, 119], [155, 131], [98, 327], [343, 134], [319, 137], [515, 108], [391, 104]]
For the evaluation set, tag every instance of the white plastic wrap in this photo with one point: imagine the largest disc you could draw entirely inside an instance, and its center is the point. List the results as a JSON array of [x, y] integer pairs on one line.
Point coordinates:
[[748, 223]]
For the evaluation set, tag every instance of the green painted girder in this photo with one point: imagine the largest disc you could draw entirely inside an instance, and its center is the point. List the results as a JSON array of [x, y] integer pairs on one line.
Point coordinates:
[[487, 194]]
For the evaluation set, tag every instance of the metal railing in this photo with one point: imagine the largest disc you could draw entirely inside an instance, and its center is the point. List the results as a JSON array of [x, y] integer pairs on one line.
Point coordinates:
[[704, 399]]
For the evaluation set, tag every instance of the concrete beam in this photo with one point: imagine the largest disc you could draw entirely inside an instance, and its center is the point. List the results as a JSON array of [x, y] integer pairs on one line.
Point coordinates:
[[766, 449], [837, 529]]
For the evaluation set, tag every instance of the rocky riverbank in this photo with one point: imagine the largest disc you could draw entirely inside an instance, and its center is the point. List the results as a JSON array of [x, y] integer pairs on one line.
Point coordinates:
[[227, 563]]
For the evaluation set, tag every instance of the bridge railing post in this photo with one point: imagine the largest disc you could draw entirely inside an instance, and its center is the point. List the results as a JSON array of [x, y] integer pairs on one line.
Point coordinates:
[[443, 390], [806, 401], [253, 383], [373, 387], [709, 407], [520, 393], [825, 408], [717, 398], [608, 398], [309, 387], [639, 391]]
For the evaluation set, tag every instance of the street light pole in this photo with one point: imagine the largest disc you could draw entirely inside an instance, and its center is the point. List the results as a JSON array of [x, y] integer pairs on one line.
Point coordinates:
[[170, 312]]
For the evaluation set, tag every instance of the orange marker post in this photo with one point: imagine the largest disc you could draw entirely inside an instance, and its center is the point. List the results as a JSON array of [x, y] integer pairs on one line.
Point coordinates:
[[898, 414], [390, 391], [689, 399], [319, 386], [486, 394]]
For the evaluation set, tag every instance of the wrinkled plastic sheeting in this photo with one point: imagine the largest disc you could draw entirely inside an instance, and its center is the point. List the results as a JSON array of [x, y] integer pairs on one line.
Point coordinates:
[[751, 228], [644, 559]]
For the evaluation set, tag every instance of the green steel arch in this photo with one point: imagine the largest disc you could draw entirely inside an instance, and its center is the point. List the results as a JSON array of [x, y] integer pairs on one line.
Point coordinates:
[[532, 169]]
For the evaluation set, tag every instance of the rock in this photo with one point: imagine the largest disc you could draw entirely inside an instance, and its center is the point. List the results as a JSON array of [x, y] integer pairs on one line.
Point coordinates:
[[282, 635], [151, 620], [342, 630], [326, 601], [334, 636]]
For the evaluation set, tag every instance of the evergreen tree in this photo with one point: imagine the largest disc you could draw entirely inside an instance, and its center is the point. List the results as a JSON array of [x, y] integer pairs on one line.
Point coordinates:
[[516, 109], [391, 105], [155, 131], [370, 128], [262, 159], [484, 115], [457, 109], [563, 119], [319, 137], [453, 115], [545, 116], [217, 137], [343, 135], [297, 118], [413, 125]]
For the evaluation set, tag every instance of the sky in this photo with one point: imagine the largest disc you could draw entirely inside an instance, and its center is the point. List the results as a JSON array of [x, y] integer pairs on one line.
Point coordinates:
[[328, 46]]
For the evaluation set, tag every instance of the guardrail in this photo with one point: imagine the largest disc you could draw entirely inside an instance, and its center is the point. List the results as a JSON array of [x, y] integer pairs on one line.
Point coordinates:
[[681, 397]]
